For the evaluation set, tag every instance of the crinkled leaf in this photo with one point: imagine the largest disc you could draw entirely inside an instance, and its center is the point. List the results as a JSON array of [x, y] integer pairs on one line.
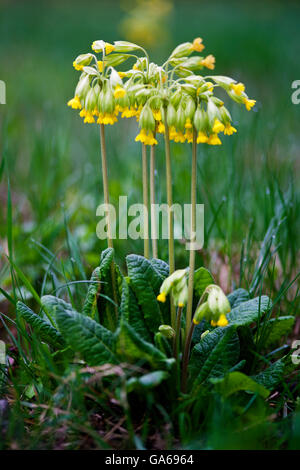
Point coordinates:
[[106, 306], [90, 304], [237, 297], [131, 312], [249, 312], [145, 282], [47, 332], [277, 328], [271, 376], [132, 347], [202, 279], [161, 267], [236, 382], [84, 335], [214, 356]]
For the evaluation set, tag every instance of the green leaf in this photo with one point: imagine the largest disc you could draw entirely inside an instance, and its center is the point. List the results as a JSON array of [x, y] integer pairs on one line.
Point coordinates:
[[84, 335], [132, 347], [216, 353], [131, 312], [202, 279], [237, 297], [147, 381], [145, 282], [236, 382], [106, 307], [43, 328], [90, 304], [161, 267], [271, 376], [277, 328], [250, 311]]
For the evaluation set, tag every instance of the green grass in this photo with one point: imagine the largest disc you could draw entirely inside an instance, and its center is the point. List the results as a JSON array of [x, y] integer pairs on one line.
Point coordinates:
[[250, 188]]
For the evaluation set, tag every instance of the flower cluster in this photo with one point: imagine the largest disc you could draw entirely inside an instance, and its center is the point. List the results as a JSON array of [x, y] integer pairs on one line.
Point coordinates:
[[173, 98]]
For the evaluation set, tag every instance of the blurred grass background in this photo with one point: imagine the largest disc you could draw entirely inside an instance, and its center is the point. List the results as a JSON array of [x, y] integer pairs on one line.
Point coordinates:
[[53, 160]]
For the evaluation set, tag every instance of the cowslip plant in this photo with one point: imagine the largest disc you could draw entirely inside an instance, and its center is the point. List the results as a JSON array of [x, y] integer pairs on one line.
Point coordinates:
[[175, 100], [222, 345]]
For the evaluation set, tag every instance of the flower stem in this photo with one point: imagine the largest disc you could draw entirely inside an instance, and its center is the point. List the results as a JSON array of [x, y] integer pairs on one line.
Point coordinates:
[[145, 202], [170, 213], [192, 236], [152, 202], [177, 333], [105, 183], [108, 221], [186, 355]]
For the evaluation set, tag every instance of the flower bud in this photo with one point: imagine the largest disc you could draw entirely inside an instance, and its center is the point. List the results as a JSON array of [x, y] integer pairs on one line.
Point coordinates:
[[83, 87], [167, 331], [200, 120], [176, 98], [184, 49], [190, 108], [180, 118], [125, 46], [202, 311], [217, 301], [90, 100], [82, 60], [212, 112], [108, 104], [171, 115], [147, 120], [176, 283]]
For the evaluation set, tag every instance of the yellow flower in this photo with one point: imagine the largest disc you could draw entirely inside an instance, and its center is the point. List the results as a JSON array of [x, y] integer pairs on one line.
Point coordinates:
[[82, 113], [122, 74], [188, 124], [128, 112], [214, 140], [119, 92], [156, 114], [197, 45], [77, 66], [189, 135], [210, 86], [89, 118], [202, 138], [135, 67], [162, 297], [229, 129], [249, 103], [107, 118], [218, 126], [75, 103], [146, 138], [109, 48], [100, 65], [179, 137], [161, 128], [222, 320], [209, 62], [238, 88]]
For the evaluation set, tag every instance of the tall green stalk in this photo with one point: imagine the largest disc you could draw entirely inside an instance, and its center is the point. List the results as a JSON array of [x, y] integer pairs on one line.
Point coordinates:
[[145, 202], [152, 202], [106, 200], [192, 236], [105, 183], [170, 213]]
